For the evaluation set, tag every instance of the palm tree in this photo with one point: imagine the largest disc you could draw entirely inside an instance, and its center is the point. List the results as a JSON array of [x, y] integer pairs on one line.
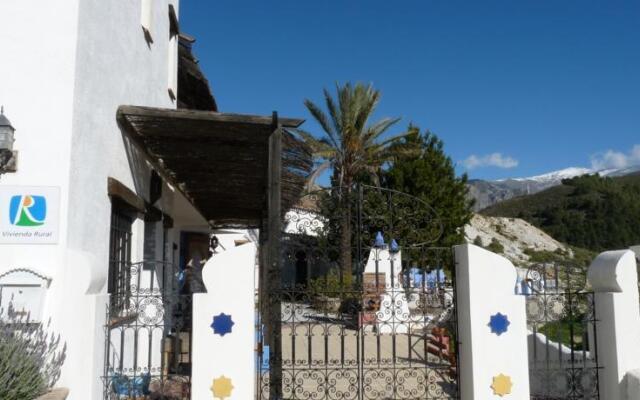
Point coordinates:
[[352, 147]]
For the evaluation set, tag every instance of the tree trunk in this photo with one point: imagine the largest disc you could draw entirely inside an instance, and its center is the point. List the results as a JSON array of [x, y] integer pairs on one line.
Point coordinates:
[[345, 238]]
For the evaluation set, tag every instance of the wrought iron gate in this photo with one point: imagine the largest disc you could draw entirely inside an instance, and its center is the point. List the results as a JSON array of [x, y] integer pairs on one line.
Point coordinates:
[[563, 356], [362, 307], [148, 334]]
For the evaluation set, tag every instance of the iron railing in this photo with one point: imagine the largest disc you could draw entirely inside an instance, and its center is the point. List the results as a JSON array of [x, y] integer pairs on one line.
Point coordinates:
[[148, 334], [353, 316], [563, 356]]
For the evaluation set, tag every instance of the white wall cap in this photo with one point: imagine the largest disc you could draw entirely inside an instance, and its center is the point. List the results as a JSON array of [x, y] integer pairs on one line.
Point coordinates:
[[636, 249], [613, 271], [633, 384]]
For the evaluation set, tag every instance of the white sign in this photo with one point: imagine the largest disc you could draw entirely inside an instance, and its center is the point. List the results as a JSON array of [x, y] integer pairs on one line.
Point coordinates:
[[29, 214]]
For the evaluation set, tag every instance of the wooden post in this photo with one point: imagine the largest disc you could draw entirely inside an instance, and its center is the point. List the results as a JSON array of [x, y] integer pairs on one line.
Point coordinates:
[[274, 226]]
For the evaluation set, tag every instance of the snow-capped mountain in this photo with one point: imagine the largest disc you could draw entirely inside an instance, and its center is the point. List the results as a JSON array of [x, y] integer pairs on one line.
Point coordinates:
[[619, 171], [487, 193], [556, 176]]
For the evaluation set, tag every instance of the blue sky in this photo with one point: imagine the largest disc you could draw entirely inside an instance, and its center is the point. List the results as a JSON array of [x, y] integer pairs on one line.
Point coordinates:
[[546, 84]]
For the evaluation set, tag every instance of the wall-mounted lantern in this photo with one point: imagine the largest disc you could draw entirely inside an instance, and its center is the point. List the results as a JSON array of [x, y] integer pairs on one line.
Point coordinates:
[[7, 156]]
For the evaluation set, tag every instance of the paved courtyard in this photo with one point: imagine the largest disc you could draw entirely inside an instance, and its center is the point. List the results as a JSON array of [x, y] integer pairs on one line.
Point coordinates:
[[331, 361]]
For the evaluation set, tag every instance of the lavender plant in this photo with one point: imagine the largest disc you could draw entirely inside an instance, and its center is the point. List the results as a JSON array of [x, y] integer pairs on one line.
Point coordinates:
[[30, 357]]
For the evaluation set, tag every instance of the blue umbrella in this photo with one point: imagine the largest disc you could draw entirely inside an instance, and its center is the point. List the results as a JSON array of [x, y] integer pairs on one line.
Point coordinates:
[[434, 277], [417, 276]]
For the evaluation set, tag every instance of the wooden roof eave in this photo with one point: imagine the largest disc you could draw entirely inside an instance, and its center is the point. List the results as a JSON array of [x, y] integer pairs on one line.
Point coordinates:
[[191, 150], [212, 116]]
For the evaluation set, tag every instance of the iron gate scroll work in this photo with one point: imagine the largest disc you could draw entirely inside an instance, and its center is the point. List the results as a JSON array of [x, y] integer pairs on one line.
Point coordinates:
[[148, 334], [563, 358], [365, 307]]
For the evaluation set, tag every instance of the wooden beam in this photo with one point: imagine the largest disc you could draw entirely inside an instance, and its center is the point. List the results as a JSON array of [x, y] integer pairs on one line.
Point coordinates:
[[174, 26], [154, 214], [118, 190], [153, 112], [274, 279]]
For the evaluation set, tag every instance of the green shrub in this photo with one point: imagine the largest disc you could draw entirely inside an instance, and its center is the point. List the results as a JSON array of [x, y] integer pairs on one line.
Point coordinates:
[[580, 258], [329, 285], [583, 257], [30, 358], [478, 241], [495, 246], [560, 331], [544, 256], [20, 376]]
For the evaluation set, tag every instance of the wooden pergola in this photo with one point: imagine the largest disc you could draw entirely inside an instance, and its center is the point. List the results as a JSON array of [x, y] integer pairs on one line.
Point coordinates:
[[237, 170], [222, 161]]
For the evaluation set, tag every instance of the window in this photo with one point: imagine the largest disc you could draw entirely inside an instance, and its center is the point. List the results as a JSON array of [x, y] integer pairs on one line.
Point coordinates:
[[120, 260], [174, 31]]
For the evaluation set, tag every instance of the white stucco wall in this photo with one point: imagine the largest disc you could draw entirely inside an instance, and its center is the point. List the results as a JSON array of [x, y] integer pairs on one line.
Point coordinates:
[[115, 66], [67, 65], [38, 43], [229, 278], [486, 286], [614, 278], [36, 89]]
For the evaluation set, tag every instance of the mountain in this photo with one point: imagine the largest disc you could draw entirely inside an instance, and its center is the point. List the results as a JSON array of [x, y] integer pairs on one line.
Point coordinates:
[[591, 211], [486, 193], [555, 176], [620, 171]]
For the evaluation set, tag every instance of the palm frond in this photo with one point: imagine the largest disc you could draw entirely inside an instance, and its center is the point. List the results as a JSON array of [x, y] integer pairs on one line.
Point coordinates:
[[319, 116], [313, 177], [368, 99], [351, 144], [394, 139], [317, 145], [380, 127], [334, 112]]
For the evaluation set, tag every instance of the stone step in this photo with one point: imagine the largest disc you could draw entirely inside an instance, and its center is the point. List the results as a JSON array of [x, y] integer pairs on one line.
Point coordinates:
[[55, 394]]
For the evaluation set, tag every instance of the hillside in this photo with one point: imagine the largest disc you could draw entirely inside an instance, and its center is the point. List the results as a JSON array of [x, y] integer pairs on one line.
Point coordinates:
[[513, 238], [589, 211], [487, 193]]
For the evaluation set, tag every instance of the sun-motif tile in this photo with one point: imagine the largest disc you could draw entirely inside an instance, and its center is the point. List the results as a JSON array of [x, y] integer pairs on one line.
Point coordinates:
[[499, 323], [222, 324], [501, 385], [221, 387]]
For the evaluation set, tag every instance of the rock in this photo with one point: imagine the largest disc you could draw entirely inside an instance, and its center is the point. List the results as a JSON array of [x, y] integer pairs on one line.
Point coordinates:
[[514, 234], [55, 394]]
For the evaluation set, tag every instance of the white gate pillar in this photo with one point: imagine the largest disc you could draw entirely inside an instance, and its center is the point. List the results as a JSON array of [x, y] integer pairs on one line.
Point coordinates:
[[492, 327], [614, 279], [223, 355]]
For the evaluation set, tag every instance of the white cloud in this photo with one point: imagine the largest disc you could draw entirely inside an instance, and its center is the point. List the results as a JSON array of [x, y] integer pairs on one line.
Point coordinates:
[[490, 160], [616, 159]]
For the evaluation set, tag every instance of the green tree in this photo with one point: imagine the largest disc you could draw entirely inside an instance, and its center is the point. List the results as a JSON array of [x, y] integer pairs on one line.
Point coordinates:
[[590, 212], [352, 147], [424, 170]]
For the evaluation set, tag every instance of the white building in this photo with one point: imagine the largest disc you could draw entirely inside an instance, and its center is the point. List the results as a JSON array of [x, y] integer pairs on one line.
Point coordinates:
[[72, 77]]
